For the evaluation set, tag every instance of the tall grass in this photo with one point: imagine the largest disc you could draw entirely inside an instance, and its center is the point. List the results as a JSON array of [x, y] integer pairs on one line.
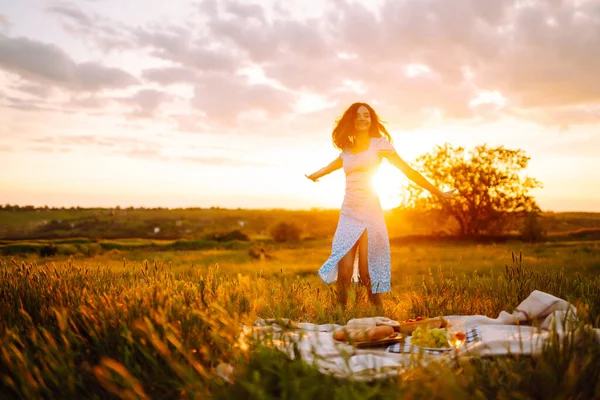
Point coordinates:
[[74, 331], [446, 293]]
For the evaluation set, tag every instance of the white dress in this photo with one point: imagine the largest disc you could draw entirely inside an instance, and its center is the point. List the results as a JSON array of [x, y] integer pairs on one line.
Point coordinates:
[[362, 210]]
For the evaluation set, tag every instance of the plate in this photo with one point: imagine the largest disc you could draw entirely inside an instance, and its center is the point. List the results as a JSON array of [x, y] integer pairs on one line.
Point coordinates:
[[409, 342], [433, 348], [381, 342]]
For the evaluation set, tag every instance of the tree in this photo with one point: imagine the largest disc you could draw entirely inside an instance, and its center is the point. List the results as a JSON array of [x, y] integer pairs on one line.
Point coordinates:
[[286, 232], [489, 182]]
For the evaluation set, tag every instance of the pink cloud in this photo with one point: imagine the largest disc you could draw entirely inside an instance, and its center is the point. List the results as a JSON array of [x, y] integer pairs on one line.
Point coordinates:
[[47, 63], [540, 55]]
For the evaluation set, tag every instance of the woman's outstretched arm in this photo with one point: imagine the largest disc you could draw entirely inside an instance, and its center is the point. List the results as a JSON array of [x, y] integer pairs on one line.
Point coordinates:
[[416, 177], [334, 165]]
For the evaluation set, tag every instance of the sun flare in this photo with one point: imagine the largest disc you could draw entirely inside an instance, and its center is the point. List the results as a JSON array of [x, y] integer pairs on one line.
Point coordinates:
[[389, 183]]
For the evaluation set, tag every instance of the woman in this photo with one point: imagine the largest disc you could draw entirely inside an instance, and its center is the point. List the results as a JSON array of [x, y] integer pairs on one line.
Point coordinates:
[[363, 141]]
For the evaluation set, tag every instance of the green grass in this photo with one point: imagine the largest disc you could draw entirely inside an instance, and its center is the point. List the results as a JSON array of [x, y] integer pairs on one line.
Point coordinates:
[[19, 219], [410, 263], [156, 324]]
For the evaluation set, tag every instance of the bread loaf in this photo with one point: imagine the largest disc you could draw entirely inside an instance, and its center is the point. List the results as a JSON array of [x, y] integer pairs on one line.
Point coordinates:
[[361, 335], [380, 332]]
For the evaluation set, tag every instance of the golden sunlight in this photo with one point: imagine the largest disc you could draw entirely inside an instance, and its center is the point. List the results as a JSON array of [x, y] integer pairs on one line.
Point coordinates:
[[389, 183]]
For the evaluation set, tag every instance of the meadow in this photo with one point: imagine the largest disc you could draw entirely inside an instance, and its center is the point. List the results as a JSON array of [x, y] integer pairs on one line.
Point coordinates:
[[28, 223], [134, 321]]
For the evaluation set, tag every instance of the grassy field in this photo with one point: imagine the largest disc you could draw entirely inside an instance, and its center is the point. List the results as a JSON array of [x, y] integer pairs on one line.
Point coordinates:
[[163, 224], [156, 324], [410, 262]]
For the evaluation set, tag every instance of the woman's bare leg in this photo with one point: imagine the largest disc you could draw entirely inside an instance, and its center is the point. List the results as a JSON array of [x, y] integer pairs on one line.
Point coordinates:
[[363, 269], [345, 270]]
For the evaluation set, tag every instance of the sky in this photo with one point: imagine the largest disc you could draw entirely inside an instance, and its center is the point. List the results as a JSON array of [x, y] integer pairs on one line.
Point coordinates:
[[229, 103]]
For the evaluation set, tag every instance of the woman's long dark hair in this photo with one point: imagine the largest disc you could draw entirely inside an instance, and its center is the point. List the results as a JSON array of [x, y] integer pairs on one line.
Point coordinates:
[[343, 133]]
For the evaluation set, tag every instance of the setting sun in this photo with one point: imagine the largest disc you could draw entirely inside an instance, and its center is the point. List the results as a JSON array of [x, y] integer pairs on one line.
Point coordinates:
[[389, 183], [195, 194]]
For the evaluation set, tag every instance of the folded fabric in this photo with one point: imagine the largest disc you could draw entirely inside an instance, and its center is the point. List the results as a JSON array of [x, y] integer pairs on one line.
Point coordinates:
[[539, 309], [524, 331]]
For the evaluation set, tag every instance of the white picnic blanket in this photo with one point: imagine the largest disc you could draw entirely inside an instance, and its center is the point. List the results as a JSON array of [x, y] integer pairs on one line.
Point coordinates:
[[524, 331]]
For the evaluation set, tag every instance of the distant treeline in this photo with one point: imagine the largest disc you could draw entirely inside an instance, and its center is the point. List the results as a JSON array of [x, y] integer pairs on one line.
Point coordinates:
[[90, 248], [219, 224], [16, 207], [160, 223]]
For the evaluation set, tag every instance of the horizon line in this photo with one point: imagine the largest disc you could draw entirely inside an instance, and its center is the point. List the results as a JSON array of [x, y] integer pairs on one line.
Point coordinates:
[[216, 207]]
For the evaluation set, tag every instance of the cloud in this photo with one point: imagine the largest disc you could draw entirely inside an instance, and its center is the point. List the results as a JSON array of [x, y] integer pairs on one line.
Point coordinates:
[[561, 116], [4, 23], [117, 147], [178, 45], [539, 54], [108, 142], [304, 55], [129, 147], [107, 145], [191, 123], [223, 98], [550, 59], [168, 42], [72, 13], [33, 89], [87, 101], [267, 41], [145, 102], [177, 42], [245, 11], [297, 74], [32, 105], [108, 35], [93, 76], [77, 140], [47, 63], [50, 149], [170, 75], [143, 151], [300, 55]]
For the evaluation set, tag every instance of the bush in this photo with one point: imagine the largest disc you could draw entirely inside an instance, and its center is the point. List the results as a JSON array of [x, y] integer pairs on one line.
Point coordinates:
[[73, 241], [21, 248], [90, 249], [228, 236], [533, 230], [48, 250], [191, 244], [286, 232], [67, 250], [259, 253]]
